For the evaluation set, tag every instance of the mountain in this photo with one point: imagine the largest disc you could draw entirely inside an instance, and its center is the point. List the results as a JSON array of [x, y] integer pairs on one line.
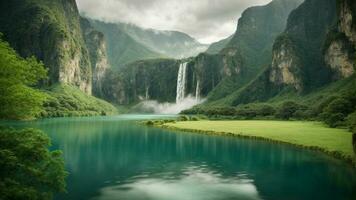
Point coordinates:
[[311, 75], [217, 75], [297, 61], [123, 48], [96, 45], [173, 44], [70, 48], [249, 49], [216, 47], [49, 30], [129, 43]]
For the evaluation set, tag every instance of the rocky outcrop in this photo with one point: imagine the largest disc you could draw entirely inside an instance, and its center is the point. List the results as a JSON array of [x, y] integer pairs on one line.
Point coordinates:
[[339, 58], [347, 19], [50, 31], [154, 79], [285, 64], [297, 57], [98, 56], [340, 48]]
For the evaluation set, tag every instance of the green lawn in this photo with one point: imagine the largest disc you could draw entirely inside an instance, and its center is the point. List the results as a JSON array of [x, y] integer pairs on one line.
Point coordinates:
[[310, 134]]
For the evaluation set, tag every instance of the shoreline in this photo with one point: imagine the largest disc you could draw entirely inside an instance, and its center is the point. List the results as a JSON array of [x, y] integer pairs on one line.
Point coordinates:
[[335, 154]]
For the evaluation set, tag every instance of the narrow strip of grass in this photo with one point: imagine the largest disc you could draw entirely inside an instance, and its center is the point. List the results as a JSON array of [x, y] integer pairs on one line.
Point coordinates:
[[315, 135]]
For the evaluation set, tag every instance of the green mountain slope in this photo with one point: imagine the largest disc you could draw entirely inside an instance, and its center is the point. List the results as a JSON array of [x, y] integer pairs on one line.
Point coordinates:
[[173, 44], [121, 47], [252, 42], [312, 72], [216, 47]]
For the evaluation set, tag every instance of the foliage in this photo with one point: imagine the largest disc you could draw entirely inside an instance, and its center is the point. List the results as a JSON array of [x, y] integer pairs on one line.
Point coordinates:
[[65, 101], [183, 118], [28, 170], [336, 111], [18, 100], [216, 47], [288, 110]]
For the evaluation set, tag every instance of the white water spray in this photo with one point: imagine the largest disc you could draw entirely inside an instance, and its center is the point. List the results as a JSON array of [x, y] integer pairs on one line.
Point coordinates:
[[181, 82]]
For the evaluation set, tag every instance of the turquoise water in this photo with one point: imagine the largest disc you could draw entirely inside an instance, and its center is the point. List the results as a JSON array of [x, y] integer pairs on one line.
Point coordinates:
[[115, 158]]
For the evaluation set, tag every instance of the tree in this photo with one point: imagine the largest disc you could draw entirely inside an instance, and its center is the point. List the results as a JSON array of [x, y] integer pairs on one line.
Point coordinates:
[[18, 100], [28, 170], [287, 109], [336, 111]]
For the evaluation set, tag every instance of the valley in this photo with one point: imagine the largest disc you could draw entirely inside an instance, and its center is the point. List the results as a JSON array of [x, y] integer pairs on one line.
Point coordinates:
[[105, 108]]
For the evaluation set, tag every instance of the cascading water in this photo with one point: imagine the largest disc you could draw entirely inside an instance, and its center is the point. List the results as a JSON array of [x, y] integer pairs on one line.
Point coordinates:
[[181, 82], [197, 91]]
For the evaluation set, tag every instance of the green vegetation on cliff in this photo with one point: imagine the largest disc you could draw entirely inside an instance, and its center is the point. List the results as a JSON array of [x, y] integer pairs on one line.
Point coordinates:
[[216, 47], [68, 101]]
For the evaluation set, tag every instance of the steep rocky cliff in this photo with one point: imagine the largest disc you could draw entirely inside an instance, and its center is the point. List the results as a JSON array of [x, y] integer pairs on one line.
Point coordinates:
[[96, 45], [49, 30], [340, 48], [249, 49], [297, 54], [315, 50], [154, 79]]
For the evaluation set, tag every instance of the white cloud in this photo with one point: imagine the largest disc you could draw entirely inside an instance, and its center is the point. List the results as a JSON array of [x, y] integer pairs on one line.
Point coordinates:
[[206, 20]]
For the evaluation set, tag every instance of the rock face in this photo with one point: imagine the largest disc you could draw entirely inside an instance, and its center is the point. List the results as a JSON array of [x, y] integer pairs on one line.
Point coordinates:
[[339, 59], [50, 31], [285, 64], [347, 21], [248, 50], [340, 49], [96, 45], [154, 79], [297, 57]]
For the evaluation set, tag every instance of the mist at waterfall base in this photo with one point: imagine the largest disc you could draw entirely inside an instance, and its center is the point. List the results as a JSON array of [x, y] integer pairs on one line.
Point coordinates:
[[155, 107], [183, 102]]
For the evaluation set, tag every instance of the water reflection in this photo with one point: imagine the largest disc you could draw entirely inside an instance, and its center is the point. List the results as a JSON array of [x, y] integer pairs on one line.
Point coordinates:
[[197, 184], [114, 158]]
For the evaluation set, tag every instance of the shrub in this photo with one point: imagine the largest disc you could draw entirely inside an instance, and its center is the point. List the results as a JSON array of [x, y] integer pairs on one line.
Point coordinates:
[[287, 110], [28, 170], [150, 123], [183, 118], [194, 118], [266, 110], [336, 111]]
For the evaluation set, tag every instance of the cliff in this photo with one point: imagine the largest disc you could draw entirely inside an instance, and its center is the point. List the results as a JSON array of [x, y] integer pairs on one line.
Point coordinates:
[[315, 50], [301, 44], [49, 30], [142, 80], [340, 48], [96, 45]]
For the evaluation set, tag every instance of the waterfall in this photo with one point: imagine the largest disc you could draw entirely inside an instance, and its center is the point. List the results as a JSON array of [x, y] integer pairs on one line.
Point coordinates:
[[197, 91], [181, 82], [146, 93]]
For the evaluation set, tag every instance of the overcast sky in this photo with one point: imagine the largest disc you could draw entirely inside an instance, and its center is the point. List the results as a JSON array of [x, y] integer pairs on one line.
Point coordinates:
[[205, 20]]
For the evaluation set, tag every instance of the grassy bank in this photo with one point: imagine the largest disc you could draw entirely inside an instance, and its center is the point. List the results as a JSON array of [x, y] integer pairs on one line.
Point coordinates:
[[314, 135]]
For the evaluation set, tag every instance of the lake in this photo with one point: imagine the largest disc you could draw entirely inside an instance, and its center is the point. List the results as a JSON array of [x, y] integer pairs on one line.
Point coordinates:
[[117, 158]]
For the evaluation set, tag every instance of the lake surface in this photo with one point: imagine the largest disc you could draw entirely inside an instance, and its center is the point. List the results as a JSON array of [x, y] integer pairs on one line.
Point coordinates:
[[116, 158]]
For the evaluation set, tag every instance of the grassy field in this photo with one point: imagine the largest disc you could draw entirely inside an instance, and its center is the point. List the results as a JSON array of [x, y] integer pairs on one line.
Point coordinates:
[[308, 134]]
